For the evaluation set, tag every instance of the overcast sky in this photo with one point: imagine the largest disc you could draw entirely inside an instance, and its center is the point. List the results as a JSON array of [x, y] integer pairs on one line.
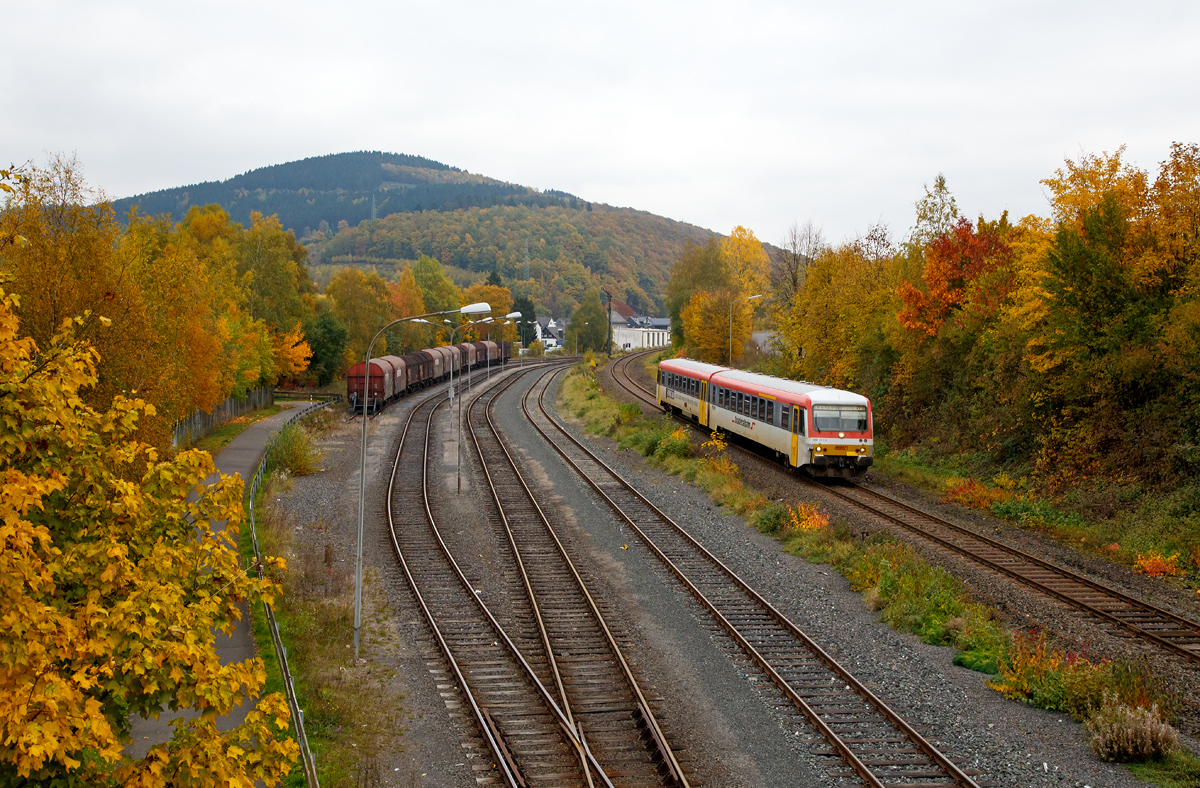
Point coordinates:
[[717, 114]]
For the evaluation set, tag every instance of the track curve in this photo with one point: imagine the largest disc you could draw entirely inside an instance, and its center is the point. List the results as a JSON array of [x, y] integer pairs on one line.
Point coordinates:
[[879, 746], [1165, 629]]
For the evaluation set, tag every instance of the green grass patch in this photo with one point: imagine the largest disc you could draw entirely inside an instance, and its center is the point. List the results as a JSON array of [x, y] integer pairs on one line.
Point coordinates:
[[1179, 769], [219, 438], [1121, 521]]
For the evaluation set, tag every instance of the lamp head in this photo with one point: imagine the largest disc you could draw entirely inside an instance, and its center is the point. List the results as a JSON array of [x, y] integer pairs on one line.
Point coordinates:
[[513, 314], [480, 308]]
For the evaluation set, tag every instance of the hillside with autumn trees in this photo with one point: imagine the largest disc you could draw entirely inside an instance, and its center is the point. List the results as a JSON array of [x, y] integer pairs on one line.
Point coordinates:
[[1065, 348], [380, 212]]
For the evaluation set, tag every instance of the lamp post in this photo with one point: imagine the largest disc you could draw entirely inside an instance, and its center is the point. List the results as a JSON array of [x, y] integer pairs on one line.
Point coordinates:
[[731, 303], [577, 341], [507, 320], [470, 309], [458, 438]]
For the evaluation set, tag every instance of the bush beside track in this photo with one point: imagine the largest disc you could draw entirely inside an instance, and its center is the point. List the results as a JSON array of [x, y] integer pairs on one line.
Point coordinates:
[[351, 717], [911, 595]]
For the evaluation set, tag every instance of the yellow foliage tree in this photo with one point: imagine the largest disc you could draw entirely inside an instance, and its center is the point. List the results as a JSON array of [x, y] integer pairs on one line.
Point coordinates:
[[361, 302], [1080, 185], [501, 300], [749, 265], [706, 322], [112, 583], [291, 352]]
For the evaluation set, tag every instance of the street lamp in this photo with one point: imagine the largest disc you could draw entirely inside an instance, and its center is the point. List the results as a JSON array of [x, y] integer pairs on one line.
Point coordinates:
[[731, 303], [470, 309], [507, 321], [458, 440], [577, 341]]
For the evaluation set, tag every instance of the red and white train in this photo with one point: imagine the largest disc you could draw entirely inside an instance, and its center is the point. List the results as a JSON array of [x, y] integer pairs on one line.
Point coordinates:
[[825, 431]]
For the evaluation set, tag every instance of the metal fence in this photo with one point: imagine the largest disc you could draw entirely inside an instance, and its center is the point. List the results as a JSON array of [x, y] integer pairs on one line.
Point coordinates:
[[289, 681], [194, 427]]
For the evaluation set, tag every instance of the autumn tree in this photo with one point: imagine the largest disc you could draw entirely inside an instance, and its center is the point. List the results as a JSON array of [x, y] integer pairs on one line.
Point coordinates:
[[960, 269], [437, 290], [710, 321], [361, 303], [113, 581], [797, 250], [407, 301], [588, 326], [69, 266], [936, 213], [856, 281], [273, 276], [748, 263], [501, 302], [697, 268]]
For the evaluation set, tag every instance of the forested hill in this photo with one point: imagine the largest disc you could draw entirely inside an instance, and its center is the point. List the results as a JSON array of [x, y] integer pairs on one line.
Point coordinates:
[[349, 187], [551, 254], [385, 209]]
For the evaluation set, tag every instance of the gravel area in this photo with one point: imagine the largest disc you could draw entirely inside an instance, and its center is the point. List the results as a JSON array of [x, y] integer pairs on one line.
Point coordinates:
[[1020, 606], [434, 748], [738, 730]]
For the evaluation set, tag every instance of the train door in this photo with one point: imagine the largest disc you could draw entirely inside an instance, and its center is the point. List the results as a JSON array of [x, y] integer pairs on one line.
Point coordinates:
[[704, 403], [795, 433]]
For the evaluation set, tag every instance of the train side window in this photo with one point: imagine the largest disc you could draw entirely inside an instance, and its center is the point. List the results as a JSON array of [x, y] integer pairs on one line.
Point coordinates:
[[770, 417], [756, 407], [784, 417], [802, 419]]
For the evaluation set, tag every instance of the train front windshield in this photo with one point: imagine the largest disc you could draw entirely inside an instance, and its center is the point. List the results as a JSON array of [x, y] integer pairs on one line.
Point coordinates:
[[839, 418]]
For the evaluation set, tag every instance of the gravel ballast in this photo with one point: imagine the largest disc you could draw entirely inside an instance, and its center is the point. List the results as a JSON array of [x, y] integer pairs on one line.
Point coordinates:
[[711, 697]]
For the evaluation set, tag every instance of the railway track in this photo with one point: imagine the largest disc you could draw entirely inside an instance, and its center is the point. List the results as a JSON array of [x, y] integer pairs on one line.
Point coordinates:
[[874, 741], [1130, 615], [531, 740], [591, 677]]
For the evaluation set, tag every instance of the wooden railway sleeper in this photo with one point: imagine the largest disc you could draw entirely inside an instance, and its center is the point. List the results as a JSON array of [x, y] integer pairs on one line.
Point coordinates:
[[864, 773]]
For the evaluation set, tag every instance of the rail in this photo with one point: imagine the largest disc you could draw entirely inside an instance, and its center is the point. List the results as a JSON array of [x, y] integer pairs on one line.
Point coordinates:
[[289, 681], [762, 641], [1138, 617]]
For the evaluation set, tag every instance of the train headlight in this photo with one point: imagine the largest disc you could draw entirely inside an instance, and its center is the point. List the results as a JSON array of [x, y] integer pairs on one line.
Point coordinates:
[[841, 434], [819, 448], [862, 449]]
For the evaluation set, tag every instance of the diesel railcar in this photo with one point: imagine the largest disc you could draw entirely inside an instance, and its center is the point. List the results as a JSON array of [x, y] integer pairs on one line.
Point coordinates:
[[825, 432]]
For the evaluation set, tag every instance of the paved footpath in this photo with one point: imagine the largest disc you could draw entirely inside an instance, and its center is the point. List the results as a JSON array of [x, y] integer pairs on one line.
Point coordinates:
[[241, 456]]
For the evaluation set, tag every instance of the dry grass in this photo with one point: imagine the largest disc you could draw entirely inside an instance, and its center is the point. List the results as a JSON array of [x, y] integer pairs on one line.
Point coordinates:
[[353, 716], [1122, 733]]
